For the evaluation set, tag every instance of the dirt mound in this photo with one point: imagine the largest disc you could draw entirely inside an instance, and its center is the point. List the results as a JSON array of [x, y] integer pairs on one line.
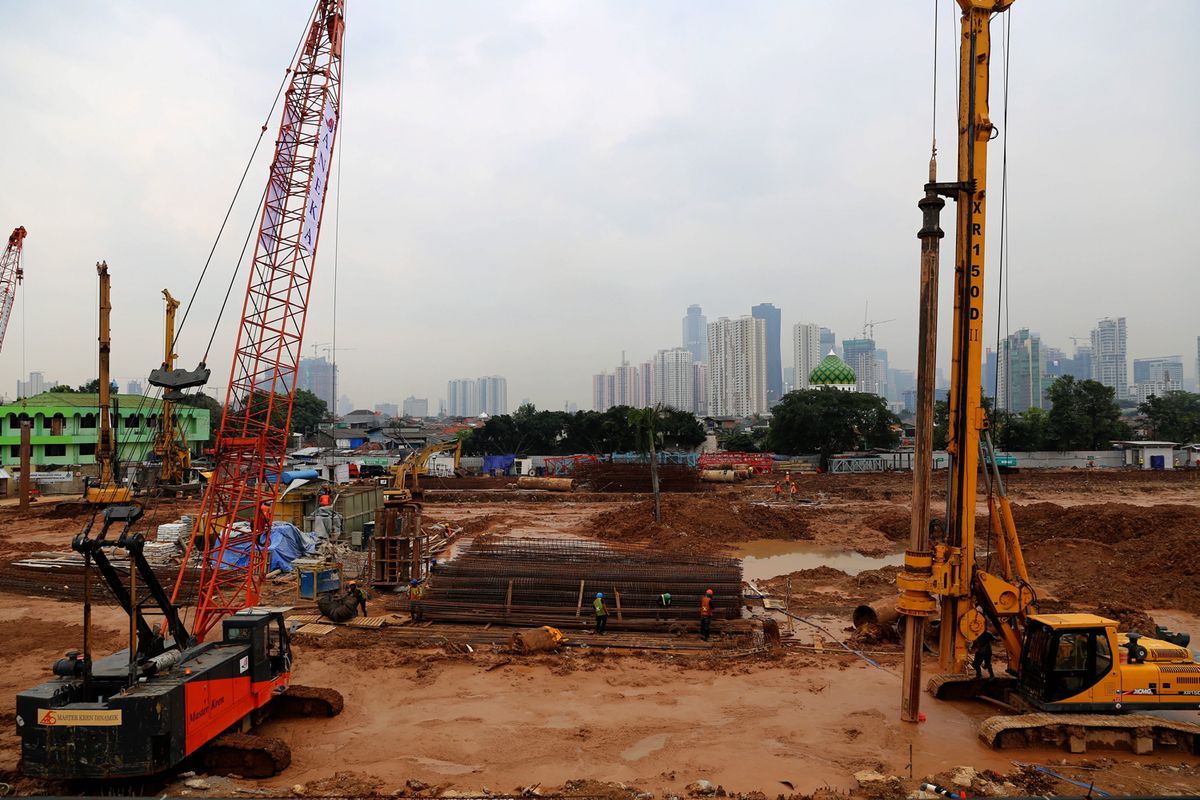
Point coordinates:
[[895, 524], [1104, 522], [1129, 619], [689, 522]]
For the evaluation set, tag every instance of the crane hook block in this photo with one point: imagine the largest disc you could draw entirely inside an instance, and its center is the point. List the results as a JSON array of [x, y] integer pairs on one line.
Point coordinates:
[[174, 381]]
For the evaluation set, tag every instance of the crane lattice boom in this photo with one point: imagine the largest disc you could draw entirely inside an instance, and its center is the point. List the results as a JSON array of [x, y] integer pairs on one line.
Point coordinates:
[[10, 276], [233, 527]]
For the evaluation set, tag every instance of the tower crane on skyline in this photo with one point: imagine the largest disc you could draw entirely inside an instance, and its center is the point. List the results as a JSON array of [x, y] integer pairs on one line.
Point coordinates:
[[11, 276]]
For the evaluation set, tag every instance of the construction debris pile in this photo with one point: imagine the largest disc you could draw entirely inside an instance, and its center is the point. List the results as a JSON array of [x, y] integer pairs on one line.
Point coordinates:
[[607, 476], [524, 581]]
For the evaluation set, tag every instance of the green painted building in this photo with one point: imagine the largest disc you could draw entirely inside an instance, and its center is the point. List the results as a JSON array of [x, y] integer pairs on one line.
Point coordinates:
[[65, 427]]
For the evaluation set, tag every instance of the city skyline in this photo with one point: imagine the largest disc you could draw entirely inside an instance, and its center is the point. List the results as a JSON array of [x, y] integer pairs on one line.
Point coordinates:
[[581, 164]]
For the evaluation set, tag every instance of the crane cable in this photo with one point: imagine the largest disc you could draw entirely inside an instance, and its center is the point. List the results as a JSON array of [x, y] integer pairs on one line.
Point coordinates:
[[245, 171], [1002, 294]]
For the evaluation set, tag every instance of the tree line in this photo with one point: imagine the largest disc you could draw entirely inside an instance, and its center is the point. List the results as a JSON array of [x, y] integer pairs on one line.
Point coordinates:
[[555, 433]]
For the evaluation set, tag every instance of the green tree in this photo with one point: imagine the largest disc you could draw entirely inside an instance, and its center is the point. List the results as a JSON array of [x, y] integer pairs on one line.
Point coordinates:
[[1084, 415], [941, 424], [63, 388], [644, 422], [91, 387], [827, 421], [738, 442], [308, 412], [1174, 417], [1026, 431]]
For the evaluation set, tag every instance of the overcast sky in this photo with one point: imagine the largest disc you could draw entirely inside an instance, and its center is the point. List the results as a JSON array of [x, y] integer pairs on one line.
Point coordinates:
[[530, 188]]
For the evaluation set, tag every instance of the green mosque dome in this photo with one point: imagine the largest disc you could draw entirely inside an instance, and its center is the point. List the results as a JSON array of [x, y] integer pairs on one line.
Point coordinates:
[[832, 371]]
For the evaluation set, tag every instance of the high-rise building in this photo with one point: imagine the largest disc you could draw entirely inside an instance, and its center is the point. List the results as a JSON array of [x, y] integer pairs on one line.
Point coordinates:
[[1020, 385], [602, 391], [391, 410], [771, 315], [36, 384], [675, 379], [646, 373], [318, 375], [416, 406], [881, 375], [493, 395], [135, 387], [860, 355], [1109, 363], [829, 344], [808, 348], [789, 379], [695, 333], [1156, 376], [989, 372], [737, 367], [462, 397], [627, 385], [700, 388]]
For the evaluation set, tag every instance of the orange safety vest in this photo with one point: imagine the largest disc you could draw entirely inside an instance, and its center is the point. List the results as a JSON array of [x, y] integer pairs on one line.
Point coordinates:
[[706, 606]]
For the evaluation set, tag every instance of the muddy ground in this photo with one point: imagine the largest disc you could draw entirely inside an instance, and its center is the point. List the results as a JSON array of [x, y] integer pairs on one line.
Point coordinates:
[[431, 721]]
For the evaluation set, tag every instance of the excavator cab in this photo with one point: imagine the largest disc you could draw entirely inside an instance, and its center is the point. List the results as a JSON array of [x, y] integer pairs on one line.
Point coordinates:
[[1064, 658]]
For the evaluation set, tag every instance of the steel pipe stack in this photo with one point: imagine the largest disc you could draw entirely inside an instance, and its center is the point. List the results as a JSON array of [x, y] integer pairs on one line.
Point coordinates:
[[547, 581]]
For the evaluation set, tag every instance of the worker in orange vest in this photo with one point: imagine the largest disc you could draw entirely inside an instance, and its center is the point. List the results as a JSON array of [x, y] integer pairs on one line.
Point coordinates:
[[787, 476], [706, 610], [778, 490], [795, 492]]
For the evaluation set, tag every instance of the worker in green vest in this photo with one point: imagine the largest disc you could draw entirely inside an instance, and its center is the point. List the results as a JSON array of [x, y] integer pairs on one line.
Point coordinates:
[[664, 604], [601, 612]]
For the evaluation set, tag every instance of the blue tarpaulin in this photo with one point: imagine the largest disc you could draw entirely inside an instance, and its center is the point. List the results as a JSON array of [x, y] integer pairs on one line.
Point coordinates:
[[287, 544], [502, 463]]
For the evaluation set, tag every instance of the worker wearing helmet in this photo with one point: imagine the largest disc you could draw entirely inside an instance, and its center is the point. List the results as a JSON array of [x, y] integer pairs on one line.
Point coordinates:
[[359, 596], [664, 603], [706, 611], [601, 613], [325, 500]]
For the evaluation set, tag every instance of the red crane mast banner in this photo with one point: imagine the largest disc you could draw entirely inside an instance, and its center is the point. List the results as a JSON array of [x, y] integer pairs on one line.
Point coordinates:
[[233, 528]]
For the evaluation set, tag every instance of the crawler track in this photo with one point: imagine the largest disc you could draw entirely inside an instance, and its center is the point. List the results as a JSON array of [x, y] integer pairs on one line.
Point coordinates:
[[1138, 733], [246, 755]]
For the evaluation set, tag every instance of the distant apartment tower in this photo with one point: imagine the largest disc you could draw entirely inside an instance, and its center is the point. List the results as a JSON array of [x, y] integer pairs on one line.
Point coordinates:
[[737, 367], [462, 397], [135, 387], [695, 333], [416, 406], [1156, 376], [318, 375], [1109, 363], [646, 376], [700, 388], [627, 386], [675, 379], [390, 410], [829, 344], [603, 390], [808, 350], [1019, 386], [860, 355], [36, 384], [493, 395], [771, 315], [881, 375]]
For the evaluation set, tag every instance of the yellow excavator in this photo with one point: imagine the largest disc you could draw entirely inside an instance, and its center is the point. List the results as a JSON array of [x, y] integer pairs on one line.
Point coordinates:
[[406, 476], [1073, 678]]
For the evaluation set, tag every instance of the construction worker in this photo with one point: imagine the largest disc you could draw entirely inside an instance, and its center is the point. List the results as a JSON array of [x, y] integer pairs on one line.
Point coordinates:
[[706, 611], [787, 477], [664, 603], [601, 613], [359, 596], [983, 654], [778, 490], [795, 490], [415, 592]]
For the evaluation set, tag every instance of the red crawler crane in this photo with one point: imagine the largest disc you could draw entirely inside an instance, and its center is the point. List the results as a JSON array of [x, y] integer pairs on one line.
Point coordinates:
[[10, 275], [235, 517]]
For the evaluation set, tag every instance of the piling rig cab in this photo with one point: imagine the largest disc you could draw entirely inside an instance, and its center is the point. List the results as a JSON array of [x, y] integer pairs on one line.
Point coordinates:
[[172, 694], [1058, 663]]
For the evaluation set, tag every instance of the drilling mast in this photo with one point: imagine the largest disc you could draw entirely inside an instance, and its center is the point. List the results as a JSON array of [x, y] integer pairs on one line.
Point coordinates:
[[171, 444], [106, 489], [234, 523]]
